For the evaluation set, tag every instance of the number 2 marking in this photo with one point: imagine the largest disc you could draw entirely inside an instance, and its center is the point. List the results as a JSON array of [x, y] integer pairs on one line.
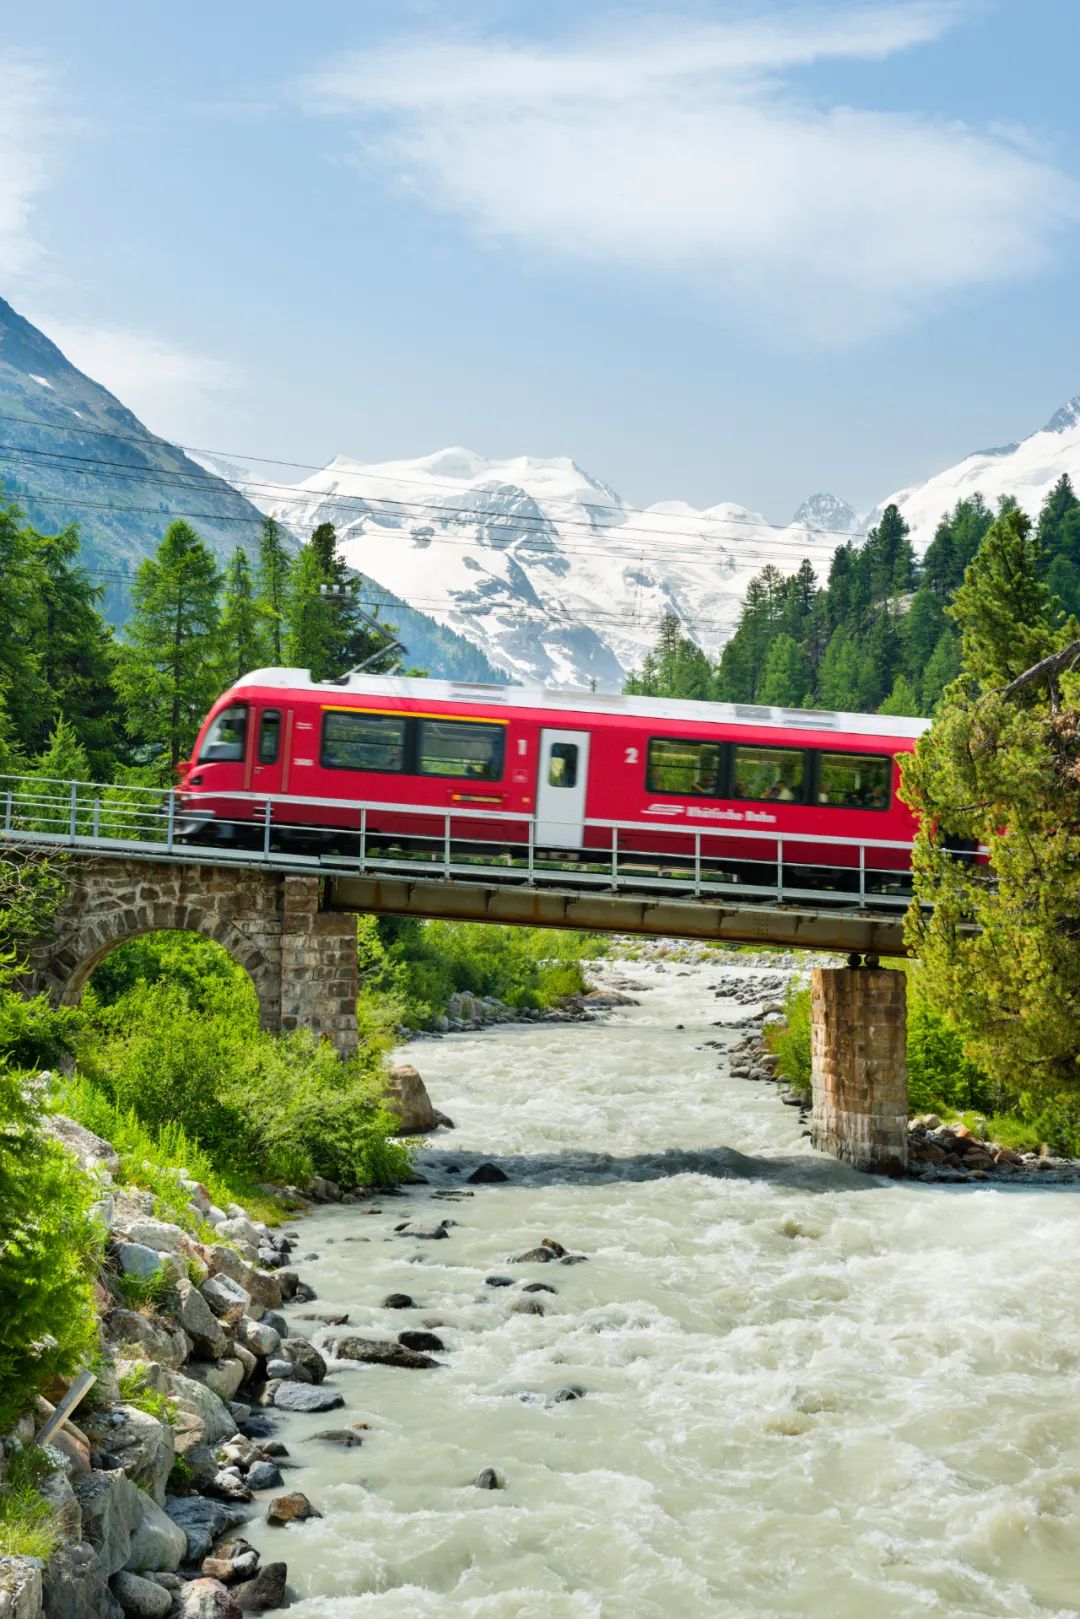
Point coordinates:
[[631, 756]]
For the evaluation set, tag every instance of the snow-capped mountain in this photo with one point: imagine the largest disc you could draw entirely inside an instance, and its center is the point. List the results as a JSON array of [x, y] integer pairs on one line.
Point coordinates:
[[1028, 470], [541, 565]]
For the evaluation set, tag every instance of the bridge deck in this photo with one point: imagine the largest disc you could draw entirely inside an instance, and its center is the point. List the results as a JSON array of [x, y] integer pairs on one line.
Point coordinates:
[[686, 895]]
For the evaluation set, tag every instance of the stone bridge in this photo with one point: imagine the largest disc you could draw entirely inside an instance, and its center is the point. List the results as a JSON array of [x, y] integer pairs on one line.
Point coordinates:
[[295, 936], [300, 958]]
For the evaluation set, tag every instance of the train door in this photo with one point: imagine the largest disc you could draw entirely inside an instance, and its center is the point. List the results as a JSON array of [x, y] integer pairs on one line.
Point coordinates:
[[268, 753], [560, 791]]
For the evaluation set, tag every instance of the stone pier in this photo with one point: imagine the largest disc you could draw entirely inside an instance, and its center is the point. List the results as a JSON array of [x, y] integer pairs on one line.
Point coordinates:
[[859, 1057], [300, 958]]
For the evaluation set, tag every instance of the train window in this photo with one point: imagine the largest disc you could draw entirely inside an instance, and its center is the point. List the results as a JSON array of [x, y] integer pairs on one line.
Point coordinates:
[[686, 767], [461, 748], [269, 736], [854, 780], [562, 765], [225, 738], [773, 774], [353, 741]]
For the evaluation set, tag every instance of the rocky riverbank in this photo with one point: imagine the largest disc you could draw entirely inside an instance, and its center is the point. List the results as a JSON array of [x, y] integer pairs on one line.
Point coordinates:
[[149, 1477], [468, 1014]]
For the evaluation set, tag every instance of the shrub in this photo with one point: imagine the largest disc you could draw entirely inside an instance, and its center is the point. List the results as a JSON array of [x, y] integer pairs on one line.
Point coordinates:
[[790, 1040], [49, 1251], [139, 1292], [135, 1391]]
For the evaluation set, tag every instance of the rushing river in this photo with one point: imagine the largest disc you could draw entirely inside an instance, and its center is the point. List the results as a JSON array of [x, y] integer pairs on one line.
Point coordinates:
[[808, 1393]]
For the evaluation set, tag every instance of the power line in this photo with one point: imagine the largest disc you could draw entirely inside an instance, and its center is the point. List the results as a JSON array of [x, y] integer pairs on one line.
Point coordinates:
[[305, 466], [525, 525]]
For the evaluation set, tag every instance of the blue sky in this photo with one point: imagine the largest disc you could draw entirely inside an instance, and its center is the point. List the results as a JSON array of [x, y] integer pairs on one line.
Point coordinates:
[[713, 252]]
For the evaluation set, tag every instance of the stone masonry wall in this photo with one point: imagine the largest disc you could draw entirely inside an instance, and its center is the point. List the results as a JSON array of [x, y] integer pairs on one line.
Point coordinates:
[[302, 961], [859, 1067]]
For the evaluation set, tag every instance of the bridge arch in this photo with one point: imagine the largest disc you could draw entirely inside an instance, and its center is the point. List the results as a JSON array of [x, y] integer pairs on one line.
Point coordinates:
[[301, 960]]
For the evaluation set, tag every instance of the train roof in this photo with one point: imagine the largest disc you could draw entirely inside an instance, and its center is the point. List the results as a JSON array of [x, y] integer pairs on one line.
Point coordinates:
[[578, 701]]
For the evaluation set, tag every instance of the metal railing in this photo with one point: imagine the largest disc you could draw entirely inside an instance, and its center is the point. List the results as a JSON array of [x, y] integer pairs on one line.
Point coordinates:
[[501, 847]]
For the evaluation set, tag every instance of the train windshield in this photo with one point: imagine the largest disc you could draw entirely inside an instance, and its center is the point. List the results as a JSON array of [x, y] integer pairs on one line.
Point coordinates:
[[225, 738]]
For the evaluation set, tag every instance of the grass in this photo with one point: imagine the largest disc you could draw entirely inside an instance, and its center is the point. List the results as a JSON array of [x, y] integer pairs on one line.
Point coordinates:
[[134, 1391], [140, 1292], [27, 1522]]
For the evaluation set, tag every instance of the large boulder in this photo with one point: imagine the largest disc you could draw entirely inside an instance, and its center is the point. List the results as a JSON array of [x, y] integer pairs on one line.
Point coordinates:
[[199, 1321], [125, 1437], [226, 1297], [203, 1521], [222, 1377], [257, 1337], [206, 1599], [136, 1259], [307, 1363], [160, 1235], [159, 1340], [201, 1418], [91, 1150], [265, 1592], [158, 1544], [406, 1095], [56, 1489], [112, 1510], [74, 1585], [20, 1588], [139, 1598], [305, 1397]]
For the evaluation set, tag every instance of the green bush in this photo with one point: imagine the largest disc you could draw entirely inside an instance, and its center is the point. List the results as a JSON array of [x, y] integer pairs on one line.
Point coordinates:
[[134, 1390], [941, 1078], [190, 1069], [790, 1040], [415, 967], [50, 1247]]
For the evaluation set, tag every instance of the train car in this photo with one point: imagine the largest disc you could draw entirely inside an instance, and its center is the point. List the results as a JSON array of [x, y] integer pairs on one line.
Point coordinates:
[[280, 750]]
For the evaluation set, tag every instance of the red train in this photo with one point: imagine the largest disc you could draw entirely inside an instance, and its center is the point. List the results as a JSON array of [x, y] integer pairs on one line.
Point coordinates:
[[316, 751]]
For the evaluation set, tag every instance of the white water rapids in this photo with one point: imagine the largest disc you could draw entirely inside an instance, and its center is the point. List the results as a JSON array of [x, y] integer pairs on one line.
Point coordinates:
[[809, 1392]]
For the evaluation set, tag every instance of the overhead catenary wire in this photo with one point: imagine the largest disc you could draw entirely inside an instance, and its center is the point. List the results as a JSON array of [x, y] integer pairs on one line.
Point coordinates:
[[225, 455], [521, 527]]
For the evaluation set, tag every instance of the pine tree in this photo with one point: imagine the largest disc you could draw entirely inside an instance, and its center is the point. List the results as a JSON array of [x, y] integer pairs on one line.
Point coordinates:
[[785, 682], [838, 677], [272, 584], [903, 699], [329, 632], [166, 673], [21, 679], [77, 654], [1007, 619], [941, 670], [242, 631], [920, 630]]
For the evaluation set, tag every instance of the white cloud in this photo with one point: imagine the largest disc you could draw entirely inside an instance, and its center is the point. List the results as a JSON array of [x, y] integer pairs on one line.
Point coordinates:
[[677, 146], [169, 388], [25, 127]]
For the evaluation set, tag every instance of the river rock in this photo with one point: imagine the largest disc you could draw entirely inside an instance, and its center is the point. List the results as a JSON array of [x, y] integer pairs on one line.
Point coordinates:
[[135, 1259], [376, 1352], [486, 1175], [223, 1377], [261, 1339], [347, 1438], [572, 1391], [112, 1510], [488, 1479], [125, 1437], [20, 1588], [160, 1235], [431, 1233], [226, 1297], [305, 1397], [306, 1361], [264, 1476], [158, 1544], [539, 1287], [535, 1256], [420, 1340], [527, 1307], [233, 1561], [74, 1585], [91, 1151], [406, 1095], [139, 1598], [499, 1281], [203, 1521], [265, 1592], [292, 1508], [205, 1599], [392, 1301]]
